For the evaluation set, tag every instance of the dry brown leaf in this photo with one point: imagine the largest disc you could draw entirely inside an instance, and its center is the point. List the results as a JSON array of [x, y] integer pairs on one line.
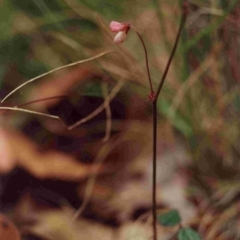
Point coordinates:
[[58, 85], [57, 224], [132, 231], [7, 229], [51, 164], [54, 225]]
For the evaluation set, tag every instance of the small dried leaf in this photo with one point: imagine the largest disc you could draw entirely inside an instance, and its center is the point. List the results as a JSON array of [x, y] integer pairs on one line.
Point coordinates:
[[7, 160]]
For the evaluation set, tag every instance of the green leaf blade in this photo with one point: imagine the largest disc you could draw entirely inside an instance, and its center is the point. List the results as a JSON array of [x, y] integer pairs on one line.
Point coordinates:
[[171, 218], [188, 234]]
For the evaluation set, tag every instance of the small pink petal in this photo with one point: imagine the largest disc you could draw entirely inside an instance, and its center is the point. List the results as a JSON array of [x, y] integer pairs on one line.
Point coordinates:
[[117, 27], [120, 37]]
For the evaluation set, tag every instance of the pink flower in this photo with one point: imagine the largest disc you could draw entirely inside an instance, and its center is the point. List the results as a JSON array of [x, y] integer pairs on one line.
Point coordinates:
[[121, 29]]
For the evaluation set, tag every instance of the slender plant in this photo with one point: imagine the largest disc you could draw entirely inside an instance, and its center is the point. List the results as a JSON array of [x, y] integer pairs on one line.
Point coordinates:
[[122, 30]]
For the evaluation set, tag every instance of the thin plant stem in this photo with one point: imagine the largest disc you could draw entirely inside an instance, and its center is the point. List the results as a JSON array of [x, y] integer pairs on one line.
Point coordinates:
[[154, 176], [182, 23], [154, 106], [146, 58]]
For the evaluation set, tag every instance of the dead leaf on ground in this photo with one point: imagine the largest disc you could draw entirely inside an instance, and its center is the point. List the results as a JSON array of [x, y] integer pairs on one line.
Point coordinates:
[[143, 231], [51, 164], [132, 231], [58, 225], [8, 231], [58, 85]]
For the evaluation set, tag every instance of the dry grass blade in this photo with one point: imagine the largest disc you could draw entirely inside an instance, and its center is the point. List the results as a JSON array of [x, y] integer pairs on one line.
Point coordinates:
[[108, 113], [30, 111], [92, 178], [220, 221], [228, 98], [113, 93], [190, 82], [41, 100], [98, 161], [54, 70], [203, 11]]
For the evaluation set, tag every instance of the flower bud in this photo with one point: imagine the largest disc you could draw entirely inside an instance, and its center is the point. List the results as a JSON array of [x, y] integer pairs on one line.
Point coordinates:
[[121, 29], [120, 37]]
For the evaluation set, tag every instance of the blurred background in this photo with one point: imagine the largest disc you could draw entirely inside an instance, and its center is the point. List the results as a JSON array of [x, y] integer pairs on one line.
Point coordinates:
[[85, 172]]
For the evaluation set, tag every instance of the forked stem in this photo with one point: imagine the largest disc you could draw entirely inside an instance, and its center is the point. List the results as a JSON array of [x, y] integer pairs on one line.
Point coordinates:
[[152, 97], [154, 166], [154, 106]]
